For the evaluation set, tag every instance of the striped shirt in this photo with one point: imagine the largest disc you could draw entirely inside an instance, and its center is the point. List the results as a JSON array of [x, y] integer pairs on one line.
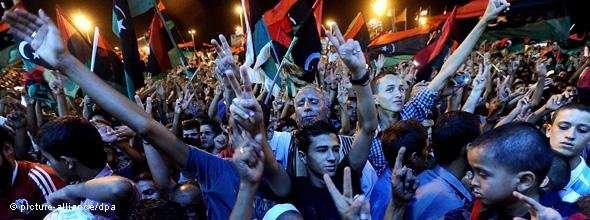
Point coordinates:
[[579, 184], [31, 184], [417, 108]]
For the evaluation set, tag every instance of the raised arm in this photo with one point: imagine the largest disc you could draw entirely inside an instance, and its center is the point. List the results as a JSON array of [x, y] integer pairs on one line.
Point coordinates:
[[353, 58], [48, 45], [458, 57], [247, 114], [57, 89], [478, 85], [249, 161]]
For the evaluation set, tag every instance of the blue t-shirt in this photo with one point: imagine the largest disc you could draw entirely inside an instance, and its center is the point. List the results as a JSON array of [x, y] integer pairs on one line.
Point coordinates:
[[438, 193], [220, 182], [218, 179]]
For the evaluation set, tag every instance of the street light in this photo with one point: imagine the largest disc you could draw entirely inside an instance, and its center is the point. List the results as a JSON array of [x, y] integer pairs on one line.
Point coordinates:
[[192, 32], [238, 10], [379, 7], [330, 23], [82, 23]]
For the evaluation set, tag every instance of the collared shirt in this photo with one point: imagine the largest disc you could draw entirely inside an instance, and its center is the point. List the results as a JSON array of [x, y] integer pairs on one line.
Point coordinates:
[[579, 184], [417, 108], [439, 192], [381, 195]]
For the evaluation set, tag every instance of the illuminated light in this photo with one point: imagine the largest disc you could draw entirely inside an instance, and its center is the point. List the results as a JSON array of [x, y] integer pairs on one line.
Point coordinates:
[[238, 9], [330, 23], [192, 31], [424, 13], [82, 22], [379, 7]]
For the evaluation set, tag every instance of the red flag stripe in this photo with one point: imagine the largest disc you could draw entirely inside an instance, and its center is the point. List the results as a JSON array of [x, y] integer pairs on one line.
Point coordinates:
[[318, 13], [354, 27]]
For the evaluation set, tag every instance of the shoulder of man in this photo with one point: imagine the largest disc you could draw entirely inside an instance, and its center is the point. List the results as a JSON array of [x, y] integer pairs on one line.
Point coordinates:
[[44, 178]]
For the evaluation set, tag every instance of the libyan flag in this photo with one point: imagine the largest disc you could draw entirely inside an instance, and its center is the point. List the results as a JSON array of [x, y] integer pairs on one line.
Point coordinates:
[[136, 7], [407, 42], [358, 30], [160, 45], [433, 54], [107, 64]]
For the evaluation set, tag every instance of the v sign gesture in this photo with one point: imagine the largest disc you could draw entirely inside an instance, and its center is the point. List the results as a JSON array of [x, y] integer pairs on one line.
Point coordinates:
[[350, 52]]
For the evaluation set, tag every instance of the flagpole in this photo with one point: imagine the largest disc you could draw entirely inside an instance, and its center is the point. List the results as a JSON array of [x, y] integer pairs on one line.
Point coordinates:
[[170, 36], [392, 19], [406, 19], [295, 39], [94, 49]]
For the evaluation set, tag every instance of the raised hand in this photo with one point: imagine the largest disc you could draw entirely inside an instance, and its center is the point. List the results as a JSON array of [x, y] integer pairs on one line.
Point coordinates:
[[523, 105], [56, 85], [39, 31], [148, 104], [225, 60], [249, 160], [106, 132], [342, 94], [403, 180], [380, 62], [359, 210], [124, 133], [536, 210], [494, 8], [245, 109], [183, 102], [541, 68], [555, 102], [218, 89], [503, 90], [343, 200], [479, 83], [350, 52]]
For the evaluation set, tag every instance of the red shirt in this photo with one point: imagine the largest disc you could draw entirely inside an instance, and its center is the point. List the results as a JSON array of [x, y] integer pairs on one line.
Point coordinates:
[[31, 184]]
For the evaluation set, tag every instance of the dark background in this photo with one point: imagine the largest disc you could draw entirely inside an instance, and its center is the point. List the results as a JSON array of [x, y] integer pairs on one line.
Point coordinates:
[[213, 17]]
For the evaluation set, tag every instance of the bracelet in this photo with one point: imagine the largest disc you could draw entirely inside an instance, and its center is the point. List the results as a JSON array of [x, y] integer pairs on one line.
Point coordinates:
[[363, 81]]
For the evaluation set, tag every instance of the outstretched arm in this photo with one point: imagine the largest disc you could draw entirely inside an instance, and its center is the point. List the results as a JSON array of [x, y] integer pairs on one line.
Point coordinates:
[[458, 57], [350, 52], [48, 45]]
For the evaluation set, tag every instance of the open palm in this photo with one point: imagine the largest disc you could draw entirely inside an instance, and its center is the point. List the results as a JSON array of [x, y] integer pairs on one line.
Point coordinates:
[[39, 31]]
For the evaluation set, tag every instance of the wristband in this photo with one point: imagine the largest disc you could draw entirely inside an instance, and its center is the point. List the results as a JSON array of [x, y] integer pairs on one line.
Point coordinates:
[[363, 81]]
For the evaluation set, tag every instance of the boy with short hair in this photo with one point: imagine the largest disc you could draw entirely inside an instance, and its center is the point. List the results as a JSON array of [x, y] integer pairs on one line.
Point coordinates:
[[568, 135], [511, 158]]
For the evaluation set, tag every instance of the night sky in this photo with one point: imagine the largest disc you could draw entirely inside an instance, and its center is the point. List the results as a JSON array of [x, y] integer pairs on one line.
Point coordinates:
[[212, 17]]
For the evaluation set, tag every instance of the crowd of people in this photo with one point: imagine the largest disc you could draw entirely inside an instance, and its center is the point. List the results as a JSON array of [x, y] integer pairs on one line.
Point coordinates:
[[363, 142]]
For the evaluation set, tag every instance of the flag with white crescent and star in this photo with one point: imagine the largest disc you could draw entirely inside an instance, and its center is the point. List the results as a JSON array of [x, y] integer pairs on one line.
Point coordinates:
[[134, 67], [28, 54]]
